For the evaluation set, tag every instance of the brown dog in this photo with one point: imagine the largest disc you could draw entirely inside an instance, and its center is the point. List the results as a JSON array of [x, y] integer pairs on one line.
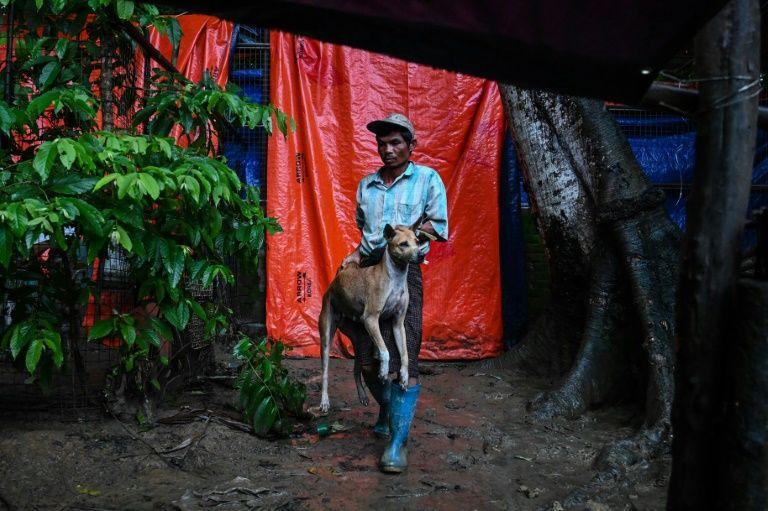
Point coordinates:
[[367, 294]]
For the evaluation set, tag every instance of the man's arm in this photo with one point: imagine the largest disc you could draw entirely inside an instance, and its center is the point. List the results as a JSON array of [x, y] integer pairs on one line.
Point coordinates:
[[436, 210], [355, 256]]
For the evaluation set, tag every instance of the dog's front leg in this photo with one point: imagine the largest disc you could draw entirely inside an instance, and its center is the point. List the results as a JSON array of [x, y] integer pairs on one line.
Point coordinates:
[[371, 322], [398, 330], [327, 329]]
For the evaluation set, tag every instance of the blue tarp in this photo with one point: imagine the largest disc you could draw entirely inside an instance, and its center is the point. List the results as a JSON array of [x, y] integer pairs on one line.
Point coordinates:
[[665, 148], [243, 147]]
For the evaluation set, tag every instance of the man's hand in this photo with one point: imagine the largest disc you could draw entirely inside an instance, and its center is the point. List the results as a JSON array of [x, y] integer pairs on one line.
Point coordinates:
[[428, 233], [354, 257]]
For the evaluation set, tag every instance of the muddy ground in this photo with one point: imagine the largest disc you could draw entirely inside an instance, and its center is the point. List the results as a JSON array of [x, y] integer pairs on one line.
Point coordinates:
[[472, 447]]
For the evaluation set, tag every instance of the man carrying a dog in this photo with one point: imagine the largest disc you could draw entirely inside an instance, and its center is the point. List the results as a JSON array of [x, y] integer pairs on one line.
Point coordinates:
[[399, 193]]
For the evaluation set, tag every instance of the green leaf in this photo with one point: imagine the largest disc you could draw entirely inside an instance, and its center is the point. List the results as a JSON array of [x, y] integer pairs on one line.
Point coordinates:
[[266, 370], [192, 186], [150, 185], [72, 184], [124, 9], [123, 238], [182, 311], [175, 265], [53, 342], [265, 416], [197, 309], [67, 152], [153, 337], [44, 159], [129, 333], [105, 181], [162, 328], [90, 217], [38, 105], [6, 247], [100, 329], [33, 355], [165, 147], [61, 48], [174, 31], [49, 74], [19, 339], [7, 117]]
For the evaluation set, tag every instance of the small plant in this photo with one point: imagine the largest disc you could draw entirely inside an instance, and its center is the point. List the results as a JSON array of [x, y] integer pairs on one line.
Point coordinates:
[[268, 395]]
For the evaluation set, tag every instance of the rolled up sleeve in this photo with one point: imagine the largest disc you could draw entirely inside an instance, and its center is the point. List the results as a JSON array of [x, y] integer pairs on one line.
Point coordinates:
[[359, 214], [436, 209]]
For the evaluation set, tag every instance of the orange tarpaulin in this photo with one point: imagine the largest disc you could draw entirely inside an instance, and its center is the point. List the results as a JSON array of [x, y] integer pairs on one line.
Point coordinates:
[[333, 92], [205, 44]]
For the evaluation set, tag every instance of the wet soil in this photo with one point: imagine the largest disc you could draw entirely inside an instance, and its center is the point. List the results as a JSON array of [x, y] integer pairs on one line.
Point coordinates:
[[472, 446]]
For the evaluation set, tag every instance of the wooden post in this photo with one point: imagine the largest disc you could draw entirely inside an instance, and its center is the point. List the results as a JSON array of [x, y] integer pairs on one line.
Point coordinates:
[[728, 67], [743, 462]]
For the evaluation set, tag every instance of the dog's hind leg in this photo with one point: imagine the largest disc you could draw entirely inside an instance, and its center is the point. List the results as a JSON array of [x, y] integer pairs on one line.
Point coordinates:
[[359, 382], [398, 331], [371, 322], [327, 325]]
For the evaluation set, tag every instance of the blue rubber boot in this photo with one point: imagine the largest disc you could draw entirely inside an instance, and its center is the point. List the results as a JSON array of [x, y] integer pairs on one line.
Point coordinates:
[[380, 392], [402, 406]]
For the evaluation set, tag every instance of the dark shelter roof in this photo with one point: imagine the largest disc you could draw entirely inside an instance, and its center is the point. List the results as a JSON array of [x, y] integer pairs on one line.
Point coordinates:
[[611, 49]]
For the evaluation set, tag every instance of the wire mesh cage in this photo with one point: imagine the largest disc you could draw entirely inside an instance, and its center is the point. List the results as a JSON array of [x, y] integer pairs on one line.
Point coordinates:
[[246, 152]]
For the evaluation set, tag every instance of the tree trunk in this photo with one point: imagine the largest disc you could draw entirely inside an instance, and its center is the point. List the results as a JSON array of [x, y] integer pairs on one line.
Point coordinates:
[[613, 253], [564, 213], [728, 64]]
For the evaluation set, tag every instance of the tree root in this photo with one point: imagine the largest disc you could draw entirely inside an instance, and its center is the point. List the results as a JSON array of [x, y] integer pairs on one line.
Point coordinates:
[[597, 372], [620, 465]]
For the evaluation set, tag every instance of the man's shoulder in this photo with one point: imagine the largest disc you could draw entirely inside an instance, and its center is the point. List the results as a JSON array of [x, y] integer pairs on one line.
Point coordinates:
[[424, 171], [369, 177]]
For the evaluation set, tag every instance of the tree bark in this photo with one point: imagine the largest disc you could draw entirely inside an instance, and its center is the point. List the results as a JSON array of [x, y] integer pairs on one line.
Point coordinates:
[[564, 214], [728, 65], [612, 249]]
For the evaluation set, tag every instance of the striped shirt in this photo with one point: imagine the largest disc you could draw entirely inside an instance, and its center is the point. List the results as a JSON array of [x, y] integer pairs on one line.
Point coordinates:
[[419, 190]]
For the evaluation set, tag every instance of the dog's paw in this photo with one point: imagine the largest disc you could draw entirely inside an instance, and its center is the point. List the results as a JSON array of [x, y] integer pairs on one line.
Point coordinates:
[[403, 380], [325, 405], [364, 400]]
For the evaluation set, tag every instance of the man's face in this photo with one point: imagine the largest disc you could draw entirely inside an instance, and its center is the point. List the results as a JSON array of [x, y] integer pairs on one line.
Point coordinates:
[[393, 149]]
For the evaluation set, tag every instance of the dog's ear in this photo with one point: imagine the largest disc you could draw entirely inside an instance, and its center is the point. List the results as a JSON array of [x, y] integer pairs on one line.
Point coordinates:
[[389, 232], [418, 223]]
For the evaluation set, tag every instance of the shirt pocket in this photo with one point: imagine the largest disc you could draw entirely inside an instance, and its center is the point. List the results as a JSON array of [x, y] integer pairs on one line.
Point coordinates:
[[408, 213]]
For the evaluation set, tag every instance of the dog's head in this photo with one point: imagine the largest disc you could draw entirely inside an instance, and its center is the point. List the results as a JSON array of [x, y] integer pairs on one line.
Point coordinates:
[[402, 243]]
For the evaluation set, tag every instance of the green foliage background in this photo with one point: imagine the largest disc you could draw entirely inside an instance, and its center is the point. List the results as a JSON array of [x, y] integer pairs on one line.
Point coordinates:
[[71, 193]]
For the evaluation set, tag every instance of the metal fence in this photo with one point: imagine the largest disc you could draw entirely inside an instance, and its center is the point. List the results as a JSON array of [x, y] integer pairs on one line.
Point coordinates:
[[246, 152]]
